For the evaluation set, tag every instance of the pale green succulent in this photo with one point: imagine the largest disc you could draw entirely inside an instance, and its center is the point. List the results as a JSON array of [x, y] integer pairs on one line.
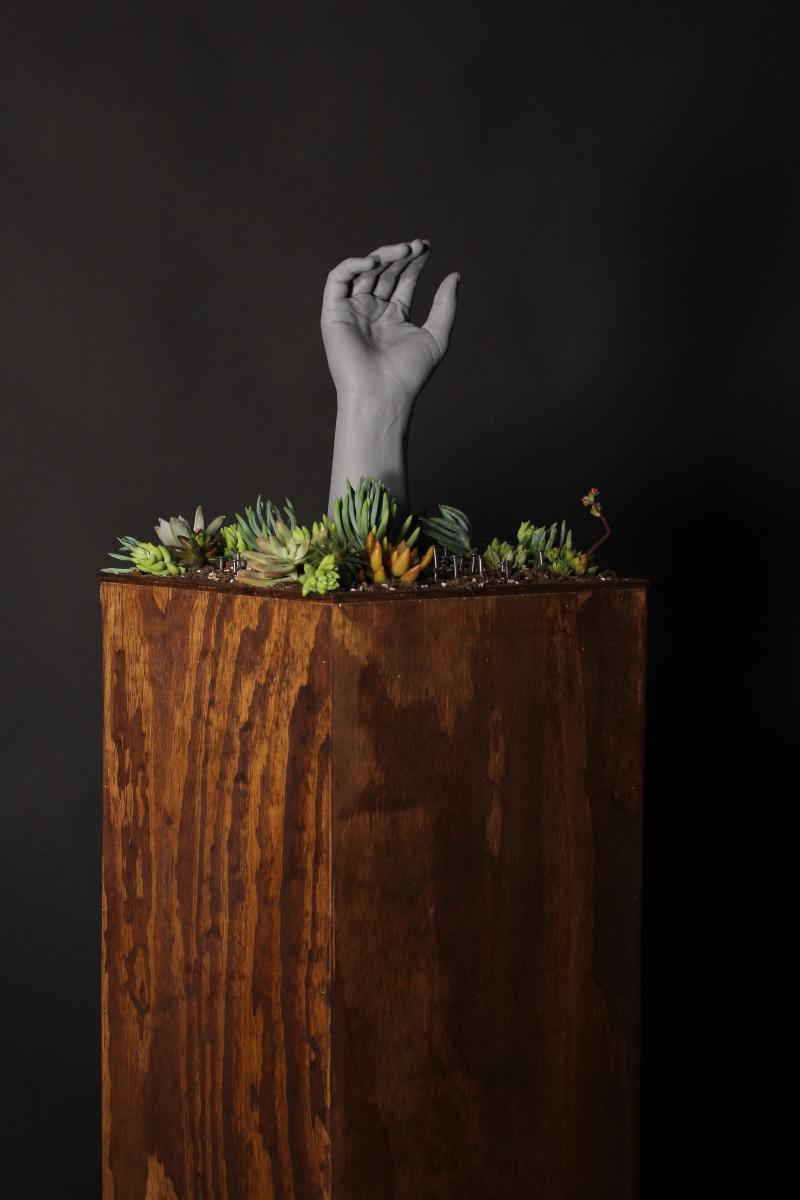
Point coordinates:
[[563, 560], [328, 541], [539, 550], [146, 557], [233, 541], [322, 578], [538, 539], [279, 557], [497, 553]]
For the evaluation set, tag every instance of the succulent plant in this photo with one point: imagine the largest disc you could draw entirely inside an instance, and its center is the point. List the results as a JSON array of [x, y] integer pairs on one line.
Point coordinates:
[[145, 557], [327, 540], [367, 539], [538, 549], [452, 530], [192, 546], [497, 553], [383, 561], [563, 560], [370, 506], [261, 519], [322, 577], [233, 541], [591, 502], [279, 557], [536, 540]]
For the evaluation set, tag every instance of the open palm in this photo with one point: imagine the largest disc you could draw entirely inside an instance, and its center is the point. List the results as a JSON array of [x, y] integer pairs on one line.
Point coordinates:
[[375, 354]]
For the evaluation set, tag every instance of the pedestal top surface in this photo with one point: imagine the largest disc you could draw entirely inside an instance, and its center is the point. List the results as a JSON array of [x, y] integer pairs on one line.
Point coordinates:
[[466, 589]]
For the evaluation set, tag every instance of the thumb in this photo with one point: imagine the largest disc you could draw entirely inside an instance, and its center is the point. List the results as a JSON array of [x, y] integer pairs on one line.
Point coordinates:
[[443, 311]]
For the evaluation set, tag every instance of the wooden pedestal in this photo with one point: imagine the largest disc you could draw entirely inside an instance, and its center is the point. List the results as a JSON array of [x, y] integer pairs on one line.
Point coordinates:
[[371, 893]]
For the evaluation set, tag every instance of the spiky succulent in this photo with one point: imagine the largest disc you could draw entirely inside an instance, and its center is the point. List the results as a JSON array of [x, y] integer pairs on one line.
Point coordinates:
[[370, 506], [192, 546], [278, 558], [261, 519], [145, 557], [400, 563], [322, 577], [451, 530]]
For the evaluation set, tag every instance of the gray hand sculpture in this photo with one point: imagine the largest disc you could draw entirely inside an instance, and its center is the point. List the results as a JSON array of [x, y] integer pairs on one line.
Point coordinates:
[[379, 360]]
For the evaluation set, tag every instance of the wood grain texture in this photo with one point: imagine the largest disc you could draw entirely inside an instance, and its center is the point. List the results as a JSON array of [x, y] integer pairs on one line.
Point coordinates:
[[371, 894], [216, 897], [487, 787]]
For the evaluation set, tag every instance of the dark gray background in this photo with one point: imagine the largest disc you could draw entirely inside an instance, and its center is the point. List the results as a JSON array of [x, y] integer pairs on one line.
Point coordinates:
[[613, 183]]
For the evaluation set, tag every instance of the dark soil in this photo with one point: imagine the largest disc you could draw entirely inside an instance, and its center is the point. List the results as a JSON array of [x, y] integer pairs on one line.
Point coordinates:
[[491, 582]]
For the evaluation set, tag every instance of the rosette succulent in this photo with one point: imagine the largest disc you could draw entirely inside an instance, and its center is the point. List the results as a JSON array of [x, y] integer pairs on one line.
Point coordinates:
[[261, 519], [192, 546], [278, 558]]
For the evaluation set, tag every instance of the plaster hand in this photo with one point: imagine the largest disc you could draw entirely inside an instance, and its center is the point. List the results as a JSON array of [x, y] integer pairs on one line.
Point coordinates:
[[379, 360]]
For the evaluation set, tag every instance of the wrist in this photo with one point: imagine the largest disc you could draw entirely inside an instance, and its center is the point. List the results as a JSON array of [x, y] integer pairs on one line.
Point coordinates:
[[374, 410], [371, 439]]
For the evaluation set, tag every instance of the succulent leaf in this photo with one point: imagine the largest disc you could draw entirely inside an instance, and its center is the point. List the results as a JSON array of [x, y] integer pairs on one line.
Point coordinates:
[[322, 577], [179, 528], [497, 552], [401, 563], [215, 526], [452, 530], [146, 557]]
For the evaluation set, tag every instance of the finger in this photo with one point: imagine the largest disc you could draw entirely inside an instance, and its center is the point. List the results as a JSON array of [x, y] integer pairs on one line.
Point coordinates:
[[385, 255], [388, 277], [337, 285], [403, 293], [443, 311]]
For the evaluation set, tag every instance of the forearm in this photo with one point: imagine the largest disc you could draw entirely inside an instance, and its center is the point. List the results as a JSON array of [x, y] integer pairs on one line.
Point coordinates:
[[371, 439]]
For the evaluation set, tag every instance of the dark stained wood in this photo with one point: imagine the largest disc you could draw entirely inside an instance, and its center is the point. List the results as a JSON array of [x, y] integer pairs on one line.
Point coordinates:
[[372, 894], [487, 785], [216, 897]]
